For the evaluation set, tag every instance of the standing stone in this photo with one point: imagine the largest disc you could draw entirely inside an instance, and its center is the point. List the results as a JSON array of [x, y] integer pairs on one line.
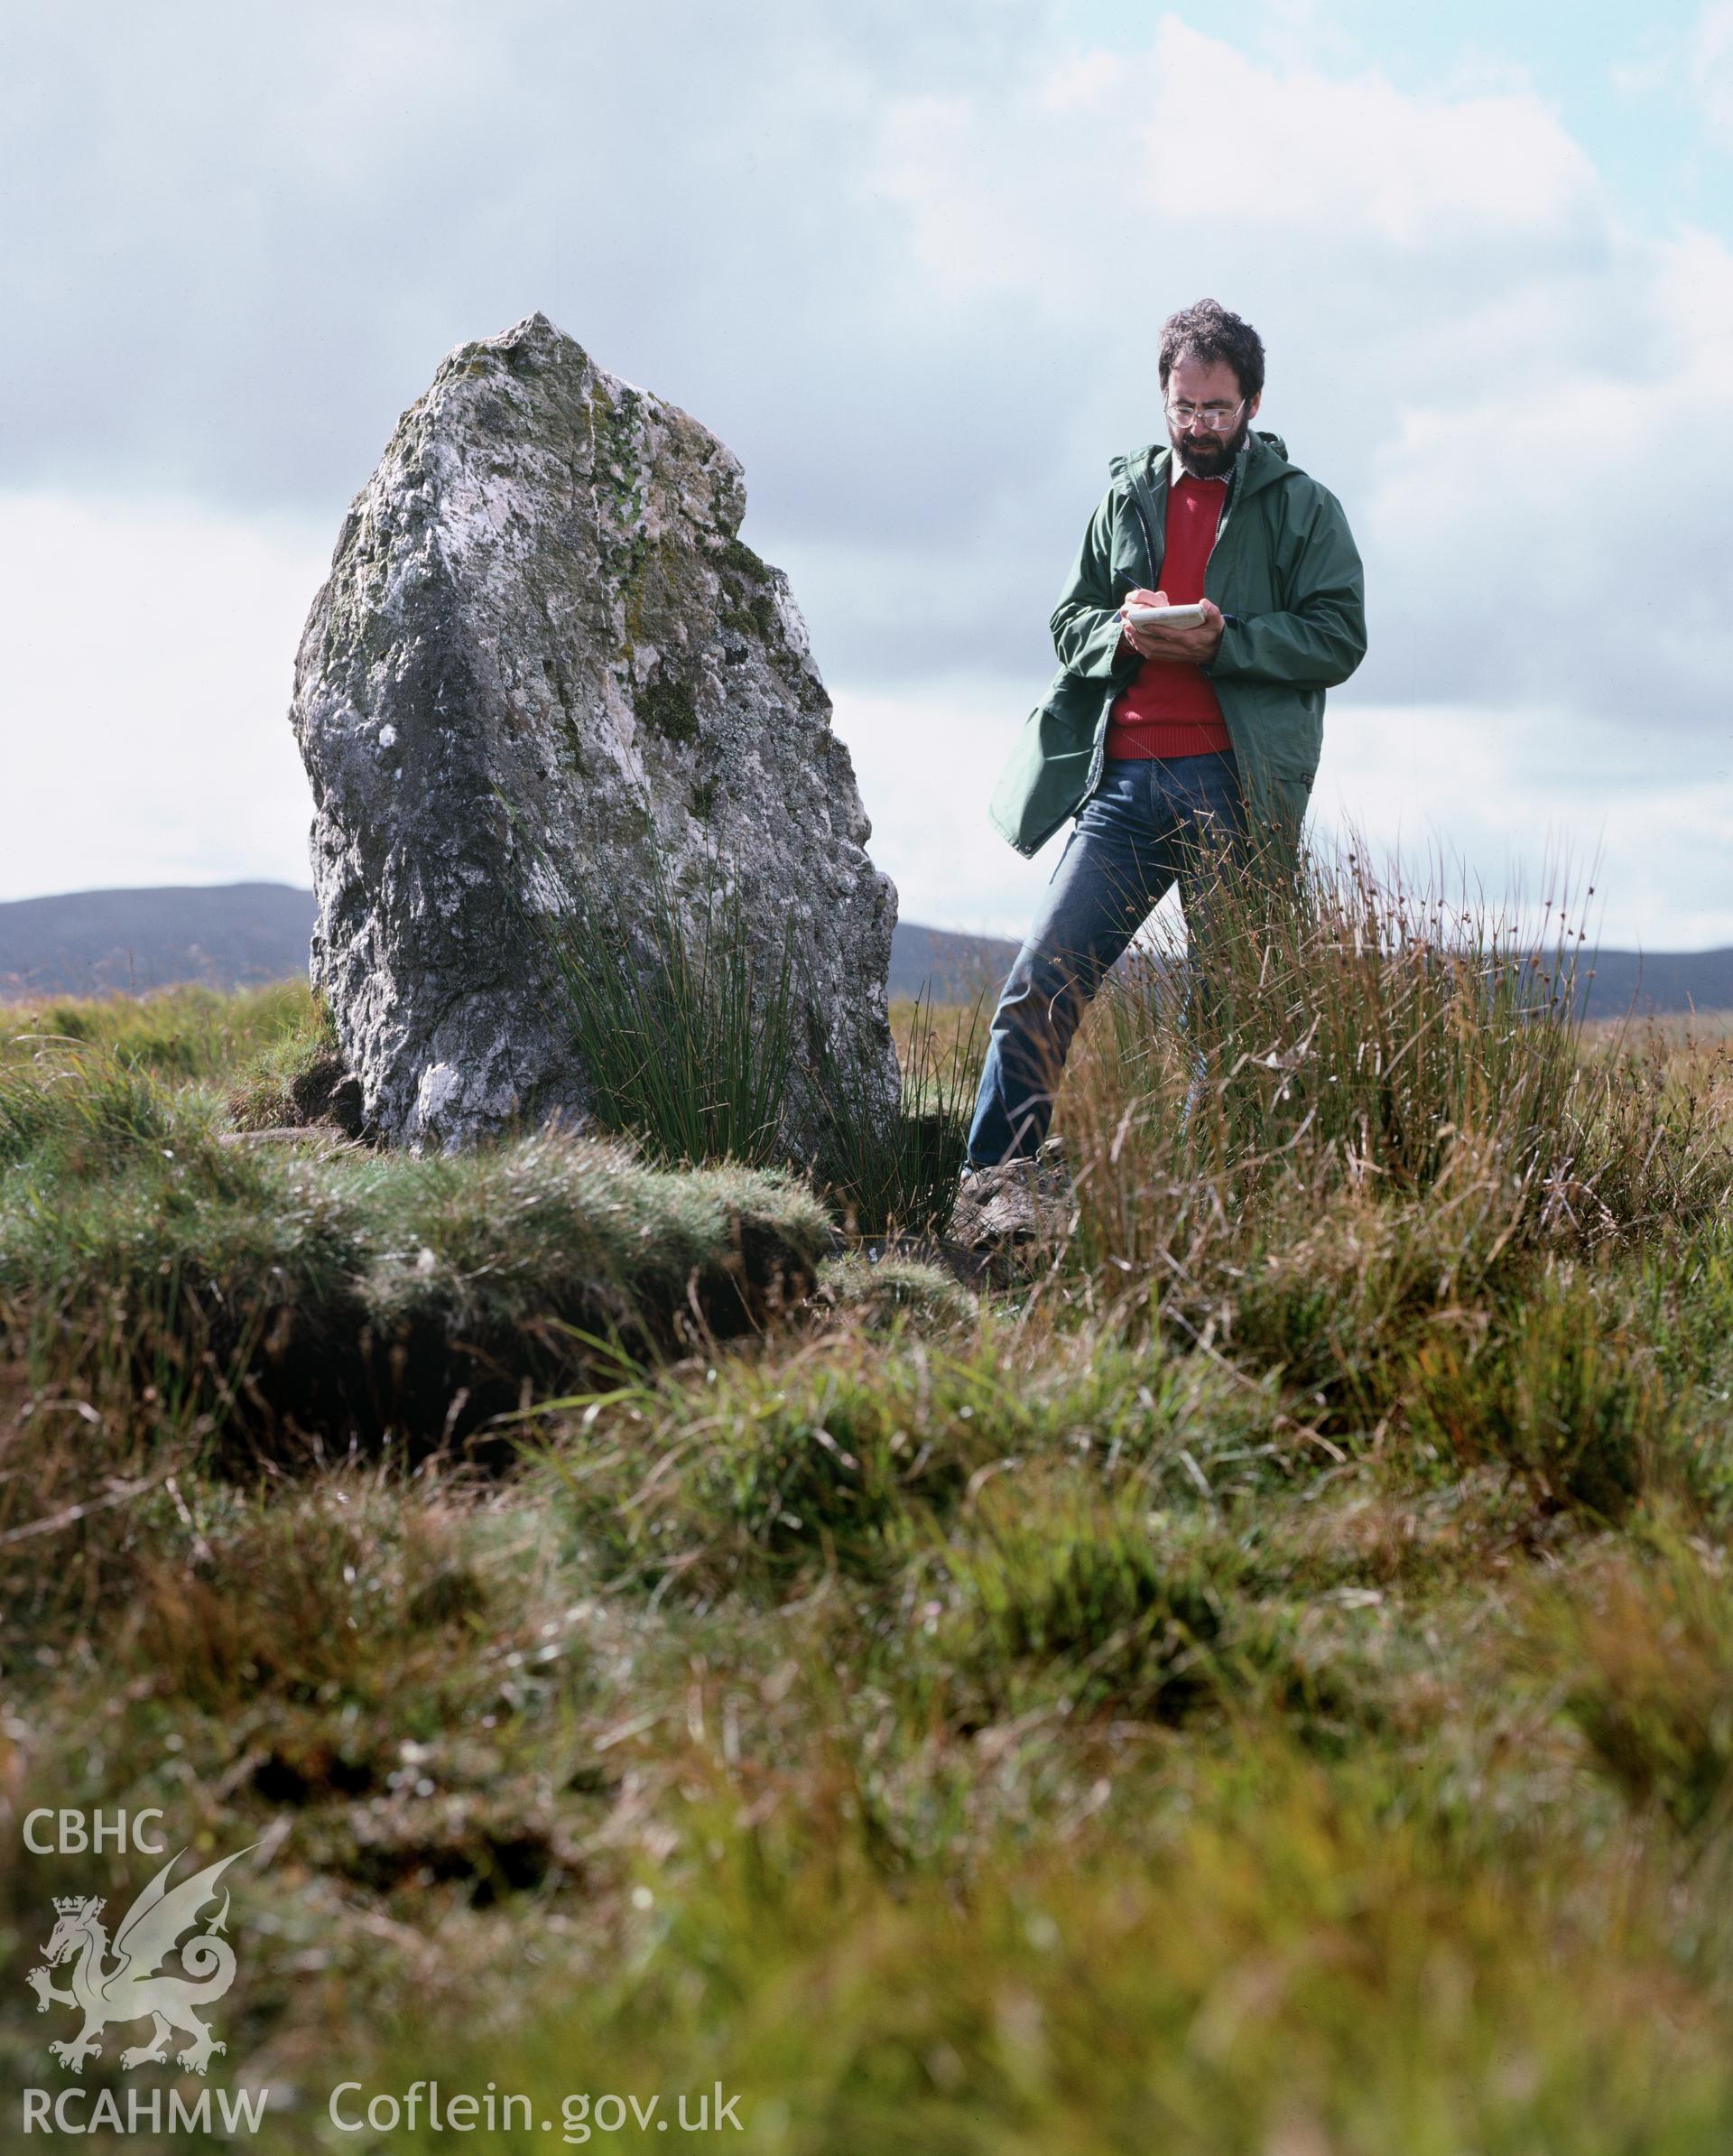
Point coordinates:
[[542, 647]]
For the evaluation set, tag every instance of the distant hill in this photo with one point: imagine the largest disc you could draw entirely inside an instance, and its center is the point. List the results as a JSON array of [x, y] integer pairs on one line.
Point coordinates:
[[950, 967], [226, 936], [1659, 981], [239, 934]]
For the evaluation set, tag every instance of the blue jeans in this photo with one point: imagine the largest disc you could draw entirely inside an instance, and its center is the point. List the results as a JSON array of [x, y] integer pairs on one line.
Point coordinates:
[[1153, 821]]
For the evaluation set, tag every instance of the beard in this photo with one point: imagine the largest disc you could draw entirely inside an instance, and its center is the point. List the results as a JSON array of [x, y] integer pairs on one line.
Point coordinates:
[[1209, 459]]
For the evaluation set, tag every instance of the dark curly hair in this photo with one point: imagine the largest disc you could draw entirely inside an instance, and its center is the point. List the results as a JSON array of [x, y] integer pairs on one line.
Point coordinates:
[[1207, 331]]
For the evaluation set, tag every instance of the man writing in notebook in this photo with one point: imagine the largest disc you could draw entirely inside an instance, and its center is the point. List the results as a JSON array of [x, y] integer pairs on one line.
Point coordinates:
[[1170, 746]]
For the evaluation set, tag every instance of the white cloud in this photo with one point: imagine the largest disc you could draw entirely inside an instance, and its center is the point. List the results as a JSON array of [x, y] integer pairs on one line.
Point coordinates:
[[1099, 168], [1711, 67], [926, 760], [1514, 796], [150, 648], [1559, 535]]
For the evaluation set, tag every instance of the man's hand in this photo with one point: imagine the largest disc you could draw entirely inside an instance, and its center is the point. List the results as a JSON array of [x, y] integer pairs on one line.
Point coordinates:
[[1198, 644]]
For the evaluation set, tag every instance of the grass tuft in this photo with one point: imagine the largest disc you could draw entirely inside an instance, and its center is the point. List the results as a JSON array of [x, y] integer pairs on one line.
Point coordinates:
[[300, 1079]]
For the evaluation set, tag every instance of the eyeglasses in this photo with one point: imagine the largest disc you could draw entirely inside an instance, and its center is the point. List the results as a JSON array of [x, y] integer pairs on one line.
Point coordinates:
[[1218, 418]]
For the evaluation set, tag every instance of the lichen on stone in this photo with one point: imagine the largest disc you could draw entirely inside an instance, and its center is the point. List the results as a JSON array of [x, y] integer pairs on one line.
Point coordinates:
[[542, 593], [669, 705]]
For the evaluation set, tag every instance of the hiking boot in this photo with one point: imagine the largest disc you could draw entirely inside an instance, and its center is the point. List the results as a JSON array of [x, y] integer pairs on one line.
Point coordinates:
[[1018, 1201]]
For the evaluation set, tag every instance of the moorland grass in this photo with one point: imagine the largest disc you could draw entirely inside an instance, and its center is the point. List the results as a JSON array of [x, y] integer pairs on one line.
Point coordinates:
[[179, 1033], [325, 1298], [1260, 1683]]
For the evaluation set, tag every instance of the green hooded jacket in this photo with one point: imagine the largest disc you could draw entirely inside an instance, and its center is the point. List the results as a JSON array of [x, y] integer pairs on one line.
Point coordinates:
[[1285, 572]]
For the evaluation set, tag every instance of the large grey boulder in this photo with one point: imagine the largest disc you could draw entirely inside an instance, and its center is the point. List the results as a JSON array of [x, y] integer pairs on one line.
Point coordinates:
[[544, 665]]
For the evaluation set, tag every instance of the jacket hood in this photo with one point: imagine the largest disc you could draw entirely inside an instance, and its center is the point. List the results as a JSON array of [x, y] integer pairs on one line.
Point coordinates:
[[1266, 460]]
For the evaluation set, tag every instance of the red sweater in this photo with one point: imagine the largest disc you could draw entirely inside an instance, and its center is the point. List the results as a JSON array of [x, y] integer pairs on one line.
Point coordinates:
[[1171, 708]]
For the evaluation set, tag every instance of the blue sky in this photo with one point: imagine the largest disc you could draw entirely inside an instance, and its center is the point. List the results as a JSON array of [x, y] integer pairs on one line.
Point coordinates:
[[909, 259]]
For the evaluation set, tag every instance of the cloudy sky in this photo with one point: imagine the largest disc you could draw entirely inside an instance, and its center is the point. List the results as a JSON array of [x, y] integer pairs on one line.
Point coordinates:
[[909, 258]]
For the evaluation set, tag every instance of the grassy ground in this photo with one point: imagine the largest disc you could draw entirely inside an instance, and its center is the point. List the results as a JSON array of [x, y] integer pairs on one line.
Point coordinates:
[[1264, 1683]]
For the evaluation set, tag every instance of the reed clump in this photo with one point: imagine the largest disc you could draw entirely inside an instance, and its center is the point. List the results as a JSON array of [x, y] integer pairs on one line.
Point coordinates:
[[694, 1026], [1347, 1134]]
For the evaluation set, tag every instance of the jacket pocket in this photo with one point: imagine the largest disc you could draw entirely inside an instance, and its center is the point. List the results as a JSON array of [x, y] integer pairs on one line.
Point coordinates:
[[1047, 772]]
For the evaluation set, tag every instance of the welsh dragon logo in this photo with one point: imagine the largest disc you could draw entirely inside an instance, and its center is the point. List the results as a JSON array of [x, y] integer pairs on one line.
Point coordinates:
[[130, 1989]]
